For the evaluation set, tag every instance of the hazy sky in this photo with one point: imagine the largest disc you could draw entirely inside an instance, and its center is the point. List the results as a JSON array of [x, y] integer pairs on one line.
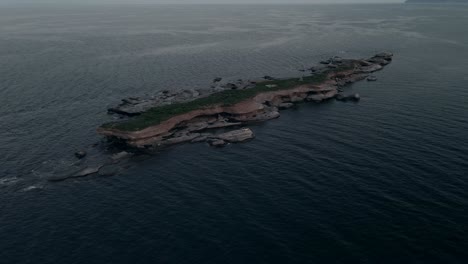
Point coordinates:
[[202, 1]]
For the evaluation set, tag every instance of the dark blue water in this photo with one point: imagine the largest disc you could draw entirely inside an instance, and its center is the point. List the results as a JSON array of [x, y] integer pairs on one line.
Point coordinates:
[[382, 181]]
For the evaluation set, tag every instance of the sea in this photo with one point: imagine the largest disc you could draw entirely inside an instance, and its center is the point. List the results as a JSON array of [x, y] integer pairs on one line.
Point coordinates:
[[384, 180]]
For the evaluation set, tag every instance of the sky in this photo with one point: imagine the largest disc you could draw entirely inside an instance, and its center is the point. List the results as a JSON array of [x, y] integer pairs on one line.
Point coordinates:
[[201, 1]]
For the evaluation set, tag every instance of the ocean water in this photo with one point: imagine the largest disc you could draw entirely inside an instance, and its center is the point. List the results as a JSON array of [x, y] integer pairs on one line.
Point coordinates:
[[381, 181]]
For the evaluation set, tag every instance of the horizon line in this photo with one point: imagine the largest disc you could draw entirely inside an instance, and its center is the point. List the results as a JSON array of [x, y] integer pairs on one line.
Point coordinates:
[[202, 3]]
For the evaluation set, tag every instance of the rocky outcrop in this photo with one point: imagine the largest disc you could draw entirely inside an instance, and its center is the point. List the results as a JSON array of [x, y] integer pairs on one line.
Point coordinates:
[[93, 165], [236, 136], [133, 106], [353, 97], [283, 106], [202, 125]]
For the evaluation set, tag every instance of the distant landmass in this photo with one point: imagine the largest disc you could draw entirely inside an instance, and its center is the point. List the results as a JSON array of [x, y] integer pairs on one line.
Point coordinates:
[[435, 1]]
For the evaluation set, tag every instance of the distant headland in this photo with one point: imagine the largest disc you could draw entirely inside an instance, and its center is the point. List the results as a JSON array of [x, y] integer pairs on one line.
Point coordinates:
[[435, 1], [218, 115]]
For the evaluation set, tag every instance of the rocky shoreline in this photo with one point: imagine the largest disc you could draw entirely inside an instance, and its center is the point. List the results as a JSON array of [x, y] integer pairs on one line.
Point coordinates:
[[219, 124]]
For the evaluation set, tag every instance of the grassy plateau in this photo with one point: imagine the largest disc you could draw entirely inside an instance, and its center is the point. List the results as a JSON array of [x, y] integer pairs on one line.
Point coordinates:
[[159, 114]]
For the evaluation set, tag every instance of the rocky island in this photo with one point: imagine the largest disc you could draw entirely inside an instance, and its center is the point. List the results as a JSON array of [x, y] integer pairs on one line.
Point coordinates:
[[219, 115]]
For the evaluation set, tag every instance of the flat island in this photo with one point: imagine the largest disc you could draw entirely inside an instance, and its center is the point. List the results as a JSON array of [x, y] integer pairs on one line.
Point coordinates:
[[219, 115]]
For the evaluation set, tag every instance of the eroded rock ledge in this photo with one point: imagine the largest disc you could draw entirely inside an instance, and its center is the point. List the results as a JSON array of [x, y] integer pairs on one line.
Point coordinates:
[[219, 123]]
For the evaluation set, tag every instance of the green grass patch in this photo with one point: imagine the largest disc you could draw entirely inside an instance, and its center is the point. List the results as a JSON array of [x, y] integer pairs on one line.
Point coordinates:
[[225, 98]]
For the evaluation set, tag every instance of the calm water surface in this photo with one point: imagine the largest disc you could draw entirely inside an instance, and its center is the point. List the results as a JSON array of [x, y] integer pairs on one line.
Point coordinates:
[[382, 181]]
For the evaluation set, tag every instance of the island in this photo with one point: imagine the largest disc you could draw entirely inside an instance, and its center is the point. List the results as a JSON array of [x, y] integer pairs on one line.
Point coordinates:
[[220, 115]]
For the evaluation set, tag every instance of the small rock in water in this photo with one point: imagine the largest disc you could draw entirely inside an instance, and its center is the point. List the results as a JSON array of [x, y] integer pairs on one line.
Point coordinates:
[[218, 143], [267, 77], [86, 172], [217, 79], [236, 135], [80, 154], [354, 97], [120, 155]]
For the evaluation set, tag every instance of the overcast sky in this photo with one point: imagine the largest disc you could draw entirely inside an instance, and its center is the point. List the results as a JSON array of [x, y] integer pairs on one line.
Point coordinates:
[[202, 1]]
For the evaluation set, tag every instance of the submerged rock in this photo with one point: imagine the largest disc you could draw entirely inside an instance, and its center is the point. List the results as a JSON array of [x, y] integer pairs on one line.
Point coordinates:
[[218, 143], [85, 172], [354, 97], [121, 155], [109, 170], [57, 178], [80, 154]]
